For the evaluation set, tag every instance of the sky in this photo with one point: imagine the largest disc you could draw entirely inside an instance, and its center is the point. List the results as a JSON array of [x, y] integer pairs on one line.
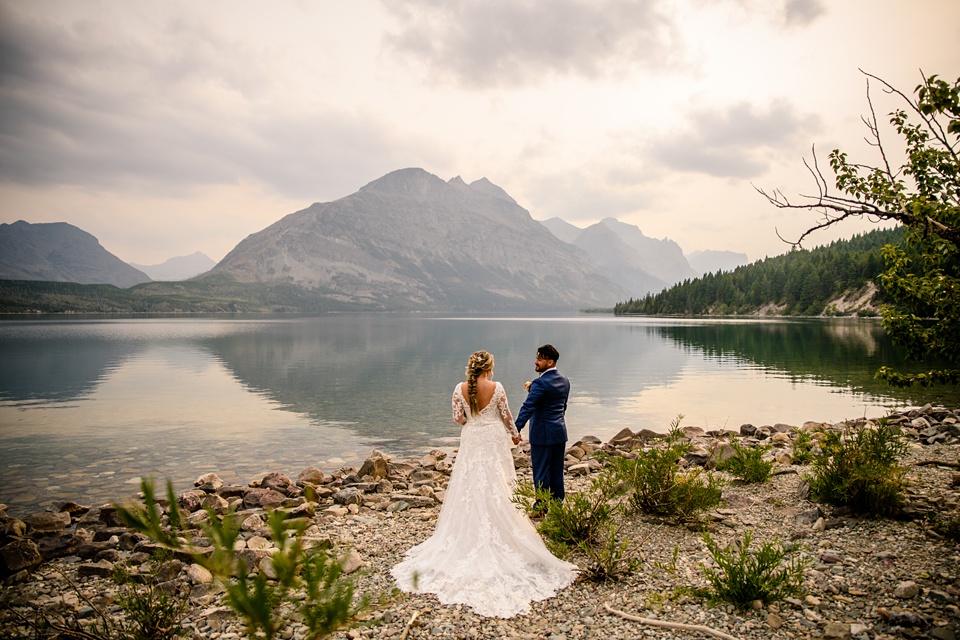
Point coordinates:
[[165, 128]]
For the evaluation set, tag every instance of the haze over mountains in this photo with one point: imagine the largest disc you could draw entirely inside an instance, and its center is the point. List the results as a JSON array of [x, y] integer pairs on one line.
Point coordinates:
[[178, 268], [408, 240]]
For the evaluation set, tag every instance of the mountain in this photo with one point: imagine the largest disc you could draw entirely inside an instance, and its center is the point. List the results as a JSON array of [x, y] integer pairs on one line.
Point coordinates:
[[178, 268], [60, 252], [712, 261], [618, 261], [562, 229], [626, 256], [410, 240], [661, 258]]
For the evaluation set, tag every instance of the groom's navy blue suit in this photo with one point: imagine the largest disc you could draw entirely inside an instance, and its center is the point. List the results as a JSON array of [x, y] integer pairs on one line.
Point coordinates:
[[545, 407]]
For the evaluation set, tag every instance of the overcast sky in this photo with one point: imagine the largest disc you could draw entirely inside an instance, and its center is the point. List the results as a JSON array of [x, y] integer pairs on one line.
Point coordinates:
[[165, 128]]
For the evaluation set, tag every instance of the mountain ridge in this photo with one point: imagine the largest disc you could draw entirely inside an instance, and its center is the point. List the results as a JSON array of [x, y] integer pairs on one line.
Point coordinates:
[[412, 239], [61, 252]]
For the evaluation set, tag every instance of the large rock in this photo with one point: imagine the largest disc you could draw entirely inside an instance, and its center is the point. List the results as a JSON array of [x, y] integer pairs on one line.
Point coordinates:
[[19, 555], [377, 465], [265, 498], [277, 481], [191, 500], [310, 476], [47, 522], [350, 495], [208, 482]]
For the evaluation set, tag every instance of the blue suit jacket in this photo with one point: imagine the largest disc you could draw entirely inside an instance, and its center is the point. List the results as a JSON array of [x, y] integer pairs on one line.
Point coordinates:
[[544, 407]]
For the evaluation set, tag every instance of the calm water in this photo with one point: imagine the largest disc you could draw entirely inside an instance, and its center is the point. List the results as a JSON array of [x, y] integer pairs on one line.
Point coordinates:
[[89, 405]]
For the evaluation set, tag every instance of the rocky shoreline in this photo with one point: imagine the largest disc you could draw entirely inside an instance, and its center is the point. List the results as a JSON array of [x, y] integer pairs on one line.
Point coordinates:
[[867, 578]]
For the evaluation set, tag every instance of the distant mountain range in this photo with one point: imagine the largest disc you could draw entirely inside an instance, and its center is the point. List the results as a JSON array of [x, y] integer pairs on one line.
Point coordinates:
[[626, 256], [407, 241], [61, 252], [178, 268]]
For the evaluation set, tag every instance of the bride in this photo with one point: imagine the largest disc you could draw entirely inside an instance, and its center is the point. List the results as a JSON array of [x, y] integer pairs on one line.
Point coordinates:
[[485, 552]]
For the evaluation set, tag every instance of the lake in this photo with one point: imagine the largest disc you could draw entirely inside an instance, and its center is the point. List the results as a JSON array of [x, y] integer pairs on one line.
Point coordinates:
[[88, 404]]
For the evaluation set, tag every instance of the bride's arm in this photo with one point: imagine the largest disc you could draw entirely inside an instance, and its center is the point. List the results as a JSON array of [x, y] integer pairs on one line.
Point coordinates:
[[505, 416], [459, 411]]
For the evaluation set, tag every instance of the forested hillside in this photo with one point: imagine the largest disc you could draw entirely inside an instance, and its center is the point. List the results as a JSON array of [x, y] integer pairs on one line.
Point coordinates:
[[801, 282]]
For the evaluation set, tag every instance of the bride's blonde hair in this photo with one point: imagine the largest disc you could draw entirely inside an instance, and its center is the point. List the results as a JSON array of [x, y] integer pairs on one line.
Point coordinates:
[[480, 362]]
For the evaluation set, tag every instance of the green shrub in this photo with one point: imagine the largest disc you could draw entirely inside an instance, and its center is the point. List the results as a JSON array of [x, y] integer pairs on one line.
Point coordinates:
[[579, 518], [802, 447], [309, 584], [609, 558], [655, 483], [742, 577], [149, 613], [747, 463], [860, 469]]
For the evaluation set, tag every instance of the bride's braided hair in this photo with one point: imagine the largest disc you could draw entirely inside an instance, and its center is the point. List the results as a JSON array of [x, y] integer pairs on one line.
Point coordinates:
[[479, 362]]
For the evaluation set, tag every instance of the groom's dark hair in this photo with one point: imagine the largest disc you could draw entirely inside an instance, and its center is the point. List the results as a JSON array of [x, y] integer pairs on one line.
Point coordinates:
[[549, 352]]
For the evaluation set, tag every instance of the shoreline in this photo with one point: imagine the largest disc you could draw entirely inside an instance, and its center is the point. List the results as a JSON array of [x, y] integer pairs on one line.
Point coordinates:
[[858, 566]]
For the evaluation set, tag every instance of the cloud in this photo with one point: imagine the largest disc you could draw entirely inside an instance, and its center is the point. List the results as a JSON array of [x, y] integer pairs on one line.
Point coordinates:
[[801, 13], [734, 142], [482, 44], [173, 105]]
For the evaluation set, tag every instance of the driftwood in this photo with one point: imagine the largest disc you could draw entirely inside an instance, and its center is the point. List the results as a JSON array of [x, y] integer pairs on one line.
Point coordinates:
[[406, 629], [670, 625], [940, 463]]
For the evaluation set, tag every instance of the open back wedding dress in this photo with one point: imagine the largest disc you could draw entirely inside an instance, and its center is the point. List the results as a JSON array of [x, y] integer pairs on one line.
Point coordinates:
[[485, 552]]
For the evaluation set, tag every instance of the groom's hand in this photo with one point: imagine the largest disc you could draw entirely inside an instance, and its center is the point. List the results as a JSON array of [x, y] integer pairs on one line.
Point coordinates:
[[517, 439]]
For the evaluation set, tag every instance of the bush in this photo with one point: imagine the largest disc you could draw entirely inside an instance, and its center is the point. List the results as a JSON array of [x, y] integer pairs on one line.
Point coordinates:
[[860, 469], [747, 463], [309, 584], [150, 614], [579, 518], [610, 558], [802, 447], [655, 483], [743, 577]]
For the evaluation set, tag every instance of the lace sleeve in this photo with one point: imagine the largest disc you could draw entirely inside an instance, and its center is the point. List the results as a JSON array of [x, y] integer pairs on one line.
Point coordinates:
[[505, 416], [459, 411]]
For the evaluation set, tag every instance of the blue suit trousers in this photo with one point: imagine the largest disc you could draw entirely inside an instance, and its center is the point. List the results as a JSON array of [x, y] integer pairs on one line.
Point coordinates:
[[547, 463]]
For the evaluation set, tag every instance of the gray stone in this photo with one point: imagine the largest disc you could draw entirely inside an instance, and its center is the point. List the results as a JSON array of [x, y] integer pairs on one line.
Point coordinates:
[[208, 482], [278, 482], [311, 476], [191, 500], [808, 517], [906, 590], [198, 574], [101, 569], [350, 562], [264, 498], [349, 495], [840, 630]]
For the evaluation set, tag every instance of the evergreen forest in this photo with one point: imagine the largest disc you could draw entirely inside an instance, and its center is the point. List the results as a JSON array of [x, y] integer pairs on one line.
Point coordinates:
[[800, 282]]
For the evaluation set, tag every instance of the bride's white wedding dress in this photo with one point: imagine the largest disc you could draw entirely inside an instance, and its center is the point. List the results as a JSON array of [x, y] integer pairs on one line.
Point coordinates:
[[485, 552]]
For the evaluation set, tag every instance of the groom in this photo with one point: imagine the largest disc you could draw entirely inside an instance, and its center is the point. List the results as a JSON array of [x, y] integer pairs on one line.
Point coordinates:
[[545, 407]]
